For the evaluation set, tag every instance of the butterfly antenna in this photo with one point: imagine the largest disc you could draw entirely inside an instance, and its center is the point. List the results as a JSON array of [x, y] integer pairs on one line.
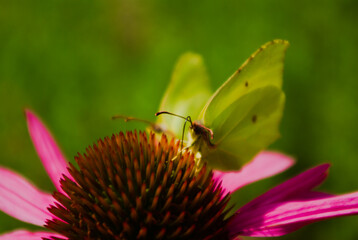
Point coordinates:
[[187, 119], [155, 127], [127, 119], [173, 114]]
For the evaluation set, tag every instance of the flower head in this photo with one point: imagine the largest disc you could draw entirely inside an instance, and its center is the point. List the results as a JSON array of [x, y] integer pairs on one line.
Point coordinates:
[[132, 186]]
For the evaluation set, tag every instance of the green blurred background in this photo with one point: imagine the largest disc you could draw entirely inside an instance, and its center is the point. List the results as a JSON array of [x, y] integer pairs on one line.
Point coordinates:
[[77, 63]]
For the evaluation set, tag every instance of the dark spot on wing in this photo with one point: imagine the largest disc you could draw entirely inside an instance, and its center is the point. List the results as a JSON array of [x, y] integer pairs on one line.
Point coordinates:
[[246, 84], [254, 118]]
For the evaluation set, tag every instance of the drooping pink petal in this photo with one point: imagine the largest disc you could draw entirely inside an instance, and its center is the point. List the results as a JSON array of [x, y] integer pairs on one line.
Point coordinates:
[[278, 219], [22, 200], [26, 235], [265, 164], [294, 188], [47, 149]]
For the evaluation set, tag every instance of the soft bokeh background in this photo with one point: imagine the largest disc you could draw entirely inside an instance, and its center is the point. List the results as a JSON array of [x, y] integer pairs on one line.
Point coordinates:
[[77, 63]]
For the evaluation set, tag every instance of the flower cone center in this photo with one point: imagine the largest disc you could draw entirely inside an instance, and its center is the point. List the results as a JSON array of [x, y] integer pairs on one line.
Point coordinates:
[[132, 186]]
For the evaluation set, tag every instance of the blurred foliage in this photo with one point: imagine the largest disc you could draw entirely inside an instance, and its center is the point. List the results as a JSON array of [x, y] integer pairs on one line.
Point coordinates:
[[77, 63]]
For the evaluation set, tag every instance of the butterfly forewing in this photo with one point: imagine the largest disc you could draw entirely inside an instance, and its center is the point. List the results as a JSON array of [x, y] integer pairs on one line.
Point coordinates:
[[263, 68]]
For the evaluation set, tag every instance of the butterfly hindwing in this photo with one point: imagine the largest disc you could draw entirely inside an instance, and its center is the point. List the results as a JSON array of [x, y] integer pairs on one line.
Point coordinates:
[[249, 125]]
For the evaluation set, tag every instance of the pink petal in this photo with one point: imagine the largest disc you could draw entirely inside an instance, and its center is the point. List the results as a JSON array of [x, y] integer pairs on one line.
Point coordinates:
[[278, 219], [47, 149], [22, 200], [26, 235], [294, 188], [313, 195], [265, 164]]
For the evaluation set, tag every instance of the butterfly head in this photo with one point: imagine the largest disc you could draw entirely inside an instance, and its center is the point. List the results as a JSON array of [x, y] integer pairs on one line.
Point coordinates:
[[198, 130], [202, 132]]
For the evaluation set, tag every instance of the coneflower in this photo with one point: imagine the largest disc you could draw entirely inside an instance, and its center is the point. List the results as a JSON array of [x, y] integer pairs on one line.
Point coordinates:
[[133, 186]]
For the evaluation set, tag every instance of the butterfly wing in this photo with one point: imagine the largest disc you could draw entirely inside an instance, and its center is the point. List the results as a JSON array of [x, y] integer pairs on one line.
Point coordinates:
[[187, 93], [245, 112]]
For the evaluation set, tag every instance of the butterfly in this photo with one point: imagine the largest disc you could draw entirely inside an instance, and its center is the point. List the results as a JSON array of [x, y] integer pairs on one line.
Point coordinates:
[[238, 120]]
